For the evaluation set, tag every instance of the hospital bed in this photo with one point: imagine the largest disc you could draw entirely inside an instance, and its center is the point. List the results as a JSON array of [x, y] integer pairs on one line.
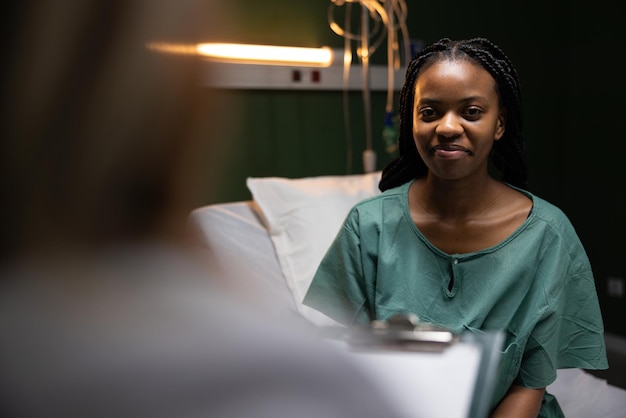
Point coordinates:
[[270, 246]]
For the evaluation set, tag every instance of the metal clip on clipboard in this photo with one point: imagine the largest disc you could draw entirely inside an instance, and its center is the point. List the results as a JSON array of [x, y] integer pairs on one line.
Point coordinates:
[[404, 332]]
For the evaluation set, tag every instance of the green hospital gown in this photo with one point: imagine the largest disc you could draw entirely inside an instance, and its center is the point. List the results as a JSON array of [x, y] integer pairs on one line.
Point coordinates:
[[536, 287]]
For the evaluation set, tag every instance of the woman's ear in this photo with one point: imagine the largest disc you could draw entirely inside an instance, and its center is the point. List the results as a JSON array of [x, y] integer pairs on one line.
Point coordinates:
[[500, 123]]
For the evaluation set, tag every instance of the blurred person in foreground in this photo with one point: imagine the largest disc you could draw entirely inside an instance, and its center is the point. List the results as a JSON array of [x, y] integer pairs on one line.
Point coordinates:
[[104, 310]]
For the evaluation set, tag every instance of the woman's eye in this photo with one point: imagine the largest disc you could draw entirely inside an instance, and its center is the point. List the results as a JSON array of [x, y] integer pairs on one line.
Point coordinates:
[[473, 112], [427, 112]]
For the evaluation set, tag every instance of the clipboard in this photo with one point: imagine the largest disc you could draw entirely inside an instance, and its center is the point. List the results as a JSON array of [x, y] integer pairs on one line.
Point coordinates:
[[428, 370], [404, 332]]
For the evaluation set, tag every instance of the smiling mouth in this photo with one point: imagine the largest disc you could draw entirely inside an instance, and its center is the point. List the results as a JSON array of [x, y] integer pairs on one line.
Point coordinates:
[[450, 151]]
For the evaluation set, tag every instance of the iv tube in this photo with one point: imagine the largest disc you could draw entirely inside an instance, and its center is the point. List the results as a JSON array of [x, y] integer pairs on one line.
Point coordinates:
[[347, 62], [389, 19], [369, 157]]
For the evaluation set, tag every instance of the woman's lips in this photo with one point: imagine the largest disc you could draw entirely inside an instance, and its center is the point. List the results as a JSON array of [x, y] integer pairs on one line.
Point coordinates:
[[450, 151]]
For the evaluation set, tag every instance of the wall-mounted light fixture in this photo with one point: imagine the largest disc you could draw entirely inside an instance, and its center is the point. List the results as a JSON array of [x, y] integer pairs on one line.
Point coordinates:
[[267, 54], [252, 54], [246, 66]]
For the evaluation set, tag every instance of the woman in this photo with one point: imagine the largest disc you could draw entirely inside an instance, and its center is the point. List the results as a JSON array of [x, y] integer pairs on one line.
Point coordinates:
[[461, 245]]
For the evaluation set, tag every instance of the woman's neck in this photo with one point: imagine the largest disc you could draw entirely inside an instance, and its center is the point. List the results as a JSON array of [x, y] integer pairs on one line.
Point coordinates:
[[460, 217], [455, 199]]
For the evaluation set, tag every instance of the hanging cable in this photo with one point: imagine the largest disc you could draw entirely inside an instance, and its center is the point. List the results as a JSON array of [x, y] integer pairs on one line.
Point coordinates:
[[392, 46], [378, 19], [369, 158], [347, 62]]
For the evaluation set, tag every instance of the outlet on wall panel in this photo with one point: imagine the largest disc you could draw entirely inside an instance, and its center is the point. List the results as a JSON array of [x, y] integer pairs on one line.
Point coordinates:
[[615, 287], [274, 77]]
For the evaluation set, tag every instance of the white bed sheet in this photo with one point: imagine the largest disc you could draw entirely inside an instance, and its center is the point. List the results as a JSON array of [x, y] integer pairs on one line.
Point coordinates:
[[242, 252], [242, 249], [581, 395]]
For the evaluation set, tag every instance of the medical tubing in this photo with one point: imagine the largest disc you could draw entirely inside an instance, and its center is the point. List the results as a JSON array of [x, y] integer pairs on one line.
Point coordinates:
[[390, 56], [347, 62], [366, 77]]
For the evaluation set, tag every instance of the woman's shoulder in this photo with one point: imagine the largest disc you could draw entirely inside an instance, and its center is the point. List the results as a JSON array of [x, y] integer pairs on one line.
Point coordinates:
[[398, 192], [382, 202], [545, 210], [387, 205], [554, 223], [550, 212]]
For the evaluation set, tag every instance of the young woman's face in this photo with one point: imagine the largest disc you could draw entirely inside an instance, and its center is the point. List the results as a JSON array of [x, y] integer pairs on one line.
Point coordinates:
[[456, 118]]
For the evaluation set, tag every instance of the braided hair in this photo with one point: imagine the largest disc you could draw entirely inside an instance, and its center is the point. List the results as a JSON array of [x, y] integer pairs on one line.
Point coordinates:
[[507, 154]]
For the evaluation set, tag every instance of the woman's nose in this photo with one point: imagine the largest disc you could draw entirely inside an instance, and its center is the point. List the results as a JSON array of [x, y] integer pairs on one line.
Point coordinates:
[[449, 125]]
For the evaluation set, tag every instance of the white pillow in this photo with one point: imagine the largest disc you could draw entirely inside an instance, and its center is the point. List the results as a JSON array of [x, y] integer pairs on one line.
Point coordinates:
[[303, 216]]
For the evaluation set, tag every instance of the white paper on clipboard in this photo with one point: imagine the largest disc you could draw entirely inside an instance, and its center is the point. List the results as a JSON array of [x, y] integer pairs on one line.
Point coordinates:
[[426, 384], [450, 380]]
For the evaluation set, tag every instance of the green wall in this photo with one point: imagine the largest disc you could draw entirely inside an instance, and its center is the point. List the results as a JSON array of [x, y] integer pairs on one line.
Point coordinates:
[[573, 96]]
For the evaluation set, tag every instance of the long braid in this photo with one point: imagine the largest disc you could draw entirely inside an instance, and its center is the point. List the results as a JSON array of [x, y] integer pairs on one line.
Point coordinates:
[[508, 154]]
